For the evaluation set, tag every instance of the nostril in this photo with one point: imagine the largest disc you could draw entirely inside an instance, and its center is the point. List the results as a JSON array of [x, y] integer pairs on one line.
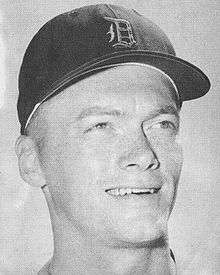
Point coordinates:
[[154, 165], [132, 167], [132, 164]]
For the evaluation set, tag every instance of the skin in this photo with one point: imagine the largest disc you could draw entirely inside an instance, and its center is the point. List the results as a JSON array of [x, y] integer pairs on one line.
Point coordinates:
[[117, 128]]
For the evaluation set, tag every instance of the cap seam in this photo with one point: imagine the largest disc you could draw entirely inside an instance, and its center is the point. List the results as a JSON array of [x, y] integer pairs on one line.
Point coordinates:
[[108, 6]]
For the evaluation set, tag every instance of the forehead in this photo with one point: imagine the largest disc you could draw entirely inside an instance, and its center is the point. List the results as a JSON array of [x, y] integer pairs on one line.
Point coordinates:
[[132, 89]]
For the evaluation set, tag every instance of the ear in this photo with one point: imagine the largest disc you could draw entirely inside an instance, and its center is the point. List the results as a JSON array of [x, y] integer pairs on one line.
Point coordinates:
[[28, 161]]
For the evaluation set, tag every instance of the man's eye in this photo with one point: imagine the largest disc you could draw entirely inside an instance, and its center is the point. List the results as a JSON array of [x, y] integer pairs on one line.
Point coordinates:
[[99, 126], [165, 124]]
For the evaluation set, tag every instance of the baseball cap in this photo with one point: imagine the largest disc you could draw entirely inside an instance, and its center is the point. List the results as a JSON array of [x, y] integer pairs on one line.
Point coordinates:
[[76, 44]]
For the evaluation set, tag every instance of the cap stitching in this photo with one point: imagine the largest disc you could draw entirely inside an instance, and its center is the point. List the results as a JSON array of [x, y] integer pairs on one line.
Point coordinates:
[[111, 9]]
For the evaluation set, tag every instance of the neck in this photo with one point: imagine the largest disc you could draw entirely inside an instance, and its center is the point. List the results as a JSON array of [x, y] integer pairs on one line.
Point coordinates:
[[76, 255]]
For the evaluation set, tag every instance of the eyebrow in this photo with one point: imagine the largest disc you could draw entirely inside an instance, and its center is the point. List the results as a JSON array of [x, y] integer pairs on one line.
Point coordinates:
[[167, 109], [101, 111]]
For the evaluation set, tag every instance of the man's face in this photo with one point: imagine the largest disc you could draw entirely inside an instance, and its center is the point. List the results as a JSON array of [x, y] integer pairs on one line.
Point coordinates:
[[110, 140]]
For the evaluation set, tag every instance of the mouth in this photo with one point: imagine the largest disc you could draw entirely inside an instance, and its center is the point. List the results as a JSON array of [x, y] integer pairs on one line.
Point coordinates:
[[121, 192]]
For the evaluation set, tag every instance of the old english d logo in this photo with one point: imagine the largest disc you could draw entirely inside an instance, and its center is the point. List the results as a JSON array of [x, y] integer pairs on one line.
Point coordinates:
[[120, 33]]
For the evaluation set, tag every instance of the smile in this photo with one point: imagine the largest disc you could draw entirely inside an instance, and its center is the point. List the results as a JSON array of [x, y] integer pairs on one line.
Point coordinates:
[[120, 192]]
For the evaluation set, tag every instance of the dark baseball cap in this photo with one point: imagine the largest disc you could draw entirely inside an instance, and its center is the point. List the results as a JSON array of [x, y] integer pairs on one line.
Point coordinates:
[[76, 44]]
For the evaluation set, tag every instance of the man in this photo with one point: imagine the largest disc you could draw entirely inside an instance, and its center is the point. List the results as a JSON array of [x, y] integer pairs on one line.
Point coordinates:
[[100, 92]]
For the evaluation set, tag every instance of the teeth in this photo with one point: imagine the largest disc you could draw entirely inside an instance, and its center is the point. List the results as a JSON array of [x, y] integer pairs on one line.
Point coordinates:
[[128, 191]]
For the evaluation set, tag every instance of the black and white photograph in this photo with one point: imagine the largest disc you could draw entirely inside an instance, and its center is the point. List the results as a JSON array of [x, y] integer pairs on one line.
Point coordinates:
[[110, 137]]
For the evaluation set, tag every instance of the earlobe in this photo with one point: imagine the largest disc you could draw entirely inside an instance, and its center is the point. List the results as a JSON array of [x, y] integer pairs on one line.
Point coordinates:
[[28, 160]]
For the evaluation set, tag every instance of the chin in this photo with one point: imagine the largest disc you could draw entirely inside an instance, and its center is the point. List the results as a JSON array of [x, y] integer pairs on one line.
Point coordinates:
[[142, 234]]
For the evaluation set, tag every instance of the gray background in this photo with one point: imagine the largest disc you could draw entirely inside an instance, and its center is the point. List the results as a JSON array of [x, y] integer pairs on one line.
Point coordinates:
[[193, 27]]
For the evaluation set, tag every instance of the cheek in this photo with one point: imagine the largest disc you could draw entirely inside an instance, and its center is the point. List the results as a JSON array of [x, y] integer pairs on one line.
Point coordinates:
[[170, 157], [99, 153], [79, 160], [169, 154], [175, 160]]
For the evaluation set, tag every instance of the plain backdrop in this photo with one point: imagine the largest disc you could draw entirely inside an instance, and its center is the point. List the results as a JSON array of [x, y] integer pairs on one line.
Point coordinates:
[[193, 27]]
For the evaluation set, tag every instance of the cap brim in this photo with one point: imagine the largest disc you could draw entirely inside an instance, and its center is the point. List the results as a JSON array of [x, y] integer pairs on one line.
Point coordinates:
[[190, 81]]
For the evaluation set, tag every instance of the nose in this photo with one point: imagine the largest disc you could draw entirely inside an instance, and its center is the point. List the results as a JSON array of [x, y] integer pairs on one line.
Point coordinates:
[[139, 158]]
